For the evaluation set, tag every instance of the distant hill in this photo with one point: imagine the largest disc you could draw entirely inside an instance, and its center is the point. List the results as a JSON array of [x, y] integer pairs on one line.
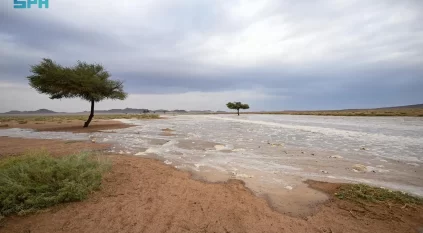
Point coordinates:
[[160, 110], [201, 111], [126, 110], [138, 110], [39, 111], [110, 111], [180, 111], [405, 106], [414, 106]]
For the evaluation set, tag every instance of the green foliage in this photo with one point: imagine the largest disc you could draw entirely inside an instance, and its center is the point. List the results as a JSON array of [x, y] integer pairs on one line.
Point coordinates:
[[357, 192], [86, 81], [237, 105], [37, 180]]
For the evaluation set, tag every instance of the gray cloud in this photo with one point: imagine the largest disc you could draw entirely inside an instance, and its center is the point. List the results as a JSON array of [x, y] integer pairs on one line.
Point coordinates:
[[322, 54]]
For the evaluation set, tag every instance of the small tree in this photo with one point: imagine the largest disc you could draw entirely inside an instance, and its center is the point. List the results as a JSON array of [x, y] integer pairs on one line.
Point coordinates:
[[237, 106], [89, 82]]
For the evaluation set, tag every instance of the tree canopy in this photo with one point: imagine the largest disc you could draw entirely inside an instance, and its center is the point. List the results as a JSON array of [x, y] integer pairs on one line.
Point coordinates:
[[237, 106], [89, 82]]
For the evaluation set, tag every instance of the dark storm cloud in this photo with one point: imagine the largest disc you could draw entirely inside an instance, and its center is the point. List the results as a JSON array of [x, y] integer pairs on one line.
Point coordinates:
[[318, 54], [47, 34]]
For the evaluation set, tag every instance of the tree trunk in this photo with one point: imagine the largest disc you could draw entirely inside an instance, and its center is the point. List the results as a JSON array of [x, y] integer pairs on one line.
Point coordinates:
[[91, 115], [238, 112]]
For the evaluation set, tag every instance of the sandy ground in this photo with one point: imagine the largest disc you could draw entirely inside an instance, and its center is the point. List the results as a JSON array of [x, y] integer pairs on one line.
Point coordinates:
[[74, 126], [145, 195], [16, 146]]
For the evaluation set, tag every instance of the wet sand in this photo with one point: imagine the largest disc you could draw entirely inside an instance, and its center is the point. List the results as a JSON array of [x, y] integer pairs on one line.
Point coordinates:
[[145, 195]]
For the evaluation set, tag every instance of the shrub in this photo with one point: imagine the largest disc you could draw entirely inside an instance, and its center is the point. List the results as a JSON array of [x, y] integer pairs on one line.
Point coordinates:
[[147, 116], [364, 192], [37, 180], [130, 116]]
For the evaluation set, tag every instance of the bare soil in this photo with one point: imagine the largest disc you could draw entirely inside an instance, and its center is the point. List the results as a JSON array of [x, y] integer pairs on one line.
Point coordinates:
[[145, 195], [17, 146], [74, 126]]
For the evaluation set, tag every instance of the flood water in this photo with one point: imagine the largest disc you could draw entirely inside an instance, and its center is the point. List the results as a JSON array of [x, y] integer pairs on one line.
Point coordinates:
[[275, 150]]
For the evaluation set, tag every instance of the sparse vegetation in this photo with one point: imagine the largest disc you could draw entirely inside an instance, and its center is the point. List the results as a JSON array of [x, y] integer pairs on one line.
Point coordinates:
[[74, 141], [36, 180], [39, 119], [145, 116], [362, 192], [70, 118]]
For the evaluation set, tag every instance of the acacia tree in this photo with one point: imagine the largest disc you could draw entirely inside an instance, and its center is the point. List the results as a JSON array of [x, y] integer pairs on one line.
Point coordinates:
[[89, 82], [237, 106]]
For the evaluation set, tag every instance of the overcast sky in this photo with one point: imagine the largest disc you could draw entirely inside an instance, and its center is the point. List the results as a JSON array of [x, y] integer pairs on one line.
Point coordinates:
[[192, 54]]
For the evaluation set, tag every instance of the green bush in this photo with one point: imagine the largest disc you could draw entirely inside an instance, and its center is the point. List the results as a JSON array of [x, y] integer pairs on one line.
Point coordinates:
[[37, 180], [147, 116], [364, 192]]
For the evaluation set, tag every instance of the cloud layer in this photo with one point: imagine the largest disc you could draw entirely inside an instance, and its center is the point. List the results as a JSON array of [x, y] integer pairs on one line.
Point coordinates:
[[322, 54]]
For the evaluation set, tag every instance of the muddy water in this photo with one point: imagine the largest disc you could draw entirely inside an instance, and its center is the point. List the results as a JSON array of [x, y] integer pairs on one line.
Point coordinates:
[[274, 153]]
